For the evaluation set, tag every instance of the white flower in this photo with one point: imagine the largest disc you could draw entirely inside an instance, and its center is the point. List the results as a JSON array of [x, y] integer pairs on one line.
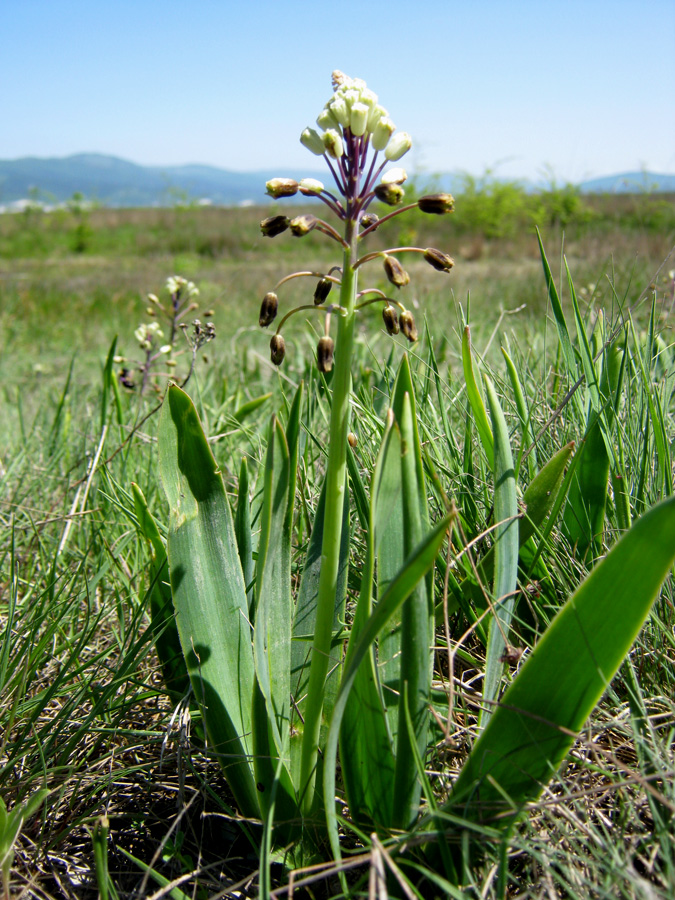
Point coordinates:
[[358, 119], [383, 131], [165, 348]]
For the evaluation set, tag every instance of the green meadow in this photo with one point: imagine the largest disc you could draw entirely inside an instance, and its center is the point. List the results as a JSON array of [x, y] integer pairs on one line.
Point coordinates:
[[109, 783]]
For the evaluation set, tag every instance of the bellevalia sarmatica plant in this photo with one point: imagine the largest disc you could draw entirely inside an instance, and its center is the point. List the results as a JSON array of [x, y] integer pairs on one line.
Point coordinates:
[[284, 682]]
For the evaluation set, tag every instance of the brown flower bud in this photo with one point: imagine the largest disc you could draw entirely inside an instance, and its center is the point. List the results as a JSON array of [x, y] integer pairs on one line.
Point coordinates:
[[352, 440], [438, 260], [268, 309], [395, 272], [282, 187], [391, 194], [322, 290], [324, 354], [302, 225], [278, 348], [274, 225], [408, 326], [390, 317], [437, 204], [369, 219]]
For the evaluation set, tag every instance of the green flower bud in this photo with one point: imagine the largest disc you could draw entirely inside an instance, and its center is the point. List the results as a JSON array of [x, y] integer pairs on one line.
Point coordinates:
[[398, 146], [390, 317], [322, 290], [369, 219], [383, 131], [437, 204], [395, 272], [302, 225], [391, 194], [332, 141], [338, 106], [408, 327], [312, 140], [376, 113], [310, 187], [278, 349], [358, 119], [268, 309], [439, 260], [282, 187], [274, 225], [324, 354], [326, 120]]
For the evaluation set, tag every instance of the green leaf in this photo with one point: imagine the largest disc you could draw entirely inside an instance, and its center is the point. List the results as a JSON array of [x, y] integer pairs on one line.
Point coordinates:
[[246, 409], [505, 555], [548, 702], [475, 398], [209, 593], [242, 527]]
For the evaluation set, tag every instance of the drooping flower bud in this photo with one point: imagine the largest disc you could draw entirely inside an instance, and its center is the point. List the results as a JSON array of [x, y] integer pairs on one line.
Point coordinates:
[[408, 327], [282, 187], [369, 220], [324, 354], [274, 225], [394, 176], [312, 140], [390, 317], [278, 349], [395, 272], [322, 290], [332, 141], [439, 260], [391, 194], [383, 131], [311, 187], [437, 204], [302, 225], [268, 309], [398, 146]]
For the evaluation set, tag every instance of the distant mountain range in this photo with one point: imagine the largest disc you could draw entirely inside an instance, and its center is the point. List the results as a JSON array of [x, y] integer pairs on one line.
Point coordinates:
[[116, 182]]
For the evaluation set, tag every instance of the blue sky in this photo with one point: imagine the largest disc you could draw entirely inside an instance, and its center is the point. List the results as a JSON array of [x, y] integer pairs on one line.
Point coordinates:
[[581, 88]]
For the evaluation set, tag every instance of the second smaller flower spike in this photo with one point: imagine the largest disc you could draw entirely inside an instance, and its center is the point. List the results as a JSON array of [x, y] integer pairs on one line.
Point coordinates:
[[436, 204], [268, 309], [439, 260], [282, 187], [274, 225], [395, 272]]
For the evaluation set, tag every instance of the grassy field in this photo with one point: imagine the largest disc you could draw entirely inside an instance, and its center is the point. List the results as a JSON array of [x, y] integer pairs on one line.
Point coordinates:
[[83, 708]]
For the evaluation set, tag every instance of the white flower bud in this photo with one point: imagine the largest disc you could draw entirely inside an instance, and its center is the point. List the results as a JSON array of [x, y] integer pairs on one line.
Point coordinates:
[[312, 140], [332, 141], [326, 119], [153, 298], [394, 176], [311, 186], [398, 146], [165, 348], [358, 119], [281, 187], [376, 113], [340, 110], [382, 132]]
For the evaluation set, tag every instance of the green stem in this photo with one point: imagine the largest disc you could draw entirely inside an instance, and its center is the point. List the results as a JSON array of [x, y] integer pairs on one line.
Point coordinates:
[[336, 484]]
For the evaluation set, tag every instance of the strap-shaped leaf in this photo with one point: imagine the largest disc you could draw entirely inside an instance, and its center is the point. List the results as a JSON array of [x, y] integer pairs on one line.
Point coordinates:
[[209, 593], [548, 702]]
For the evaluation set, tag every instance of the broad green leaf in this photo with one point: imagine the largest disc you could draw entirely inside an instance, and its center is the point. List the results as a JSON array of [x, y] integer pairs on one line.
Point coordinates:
[[548, 702], [505, 556], [209, 593], [413, 569], [163, 622], [542, 493]]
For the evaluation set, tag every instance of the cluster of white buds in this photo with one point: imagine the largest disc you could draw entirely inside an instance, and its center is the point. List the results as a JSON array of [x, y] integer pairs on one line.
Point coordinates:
[[176, 284], [148, 334], [355, 107]]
